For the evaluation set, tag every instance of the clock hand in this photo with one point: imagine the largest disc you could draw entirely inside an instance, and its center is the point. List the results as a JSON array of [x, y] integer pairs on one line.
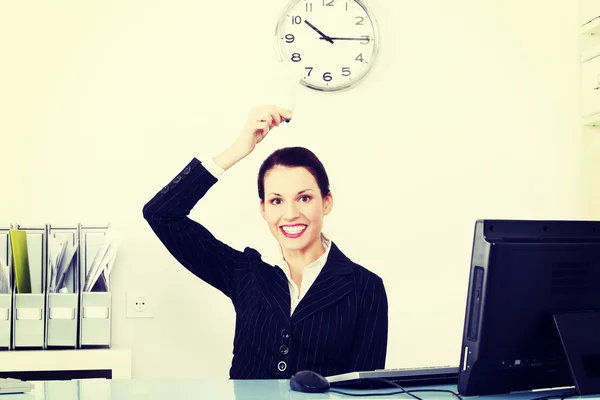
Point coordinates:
[[344, 38], [323, 36]]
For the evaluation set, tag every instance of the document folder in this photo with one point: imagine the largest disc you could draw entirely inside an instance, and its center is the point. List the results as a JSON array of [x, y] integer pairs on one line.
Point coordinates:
[[95, 310], [29, 245], [6, 289], [62, 287]]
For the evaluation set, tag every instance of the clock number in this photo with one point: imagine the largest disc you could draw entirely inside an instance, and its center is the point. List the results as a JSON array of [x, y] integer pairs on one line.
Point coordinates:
[[330, 3], [308, 7], [296, 20], [346, 71], [327, 77], [296, 57], [360, 22], [366, 41], [359, 58], [289, 38], [309, 70]]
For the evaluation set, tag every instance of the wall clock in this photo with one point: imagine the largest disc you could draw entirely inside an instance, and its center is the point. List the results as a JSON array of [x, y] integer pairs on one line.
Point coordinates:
[[332, 44]]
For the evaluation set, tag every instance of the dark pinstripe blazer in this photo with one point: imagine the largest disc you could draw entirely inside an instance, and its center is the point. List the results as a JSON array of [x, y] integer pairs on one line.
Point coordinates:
[[341, 325]]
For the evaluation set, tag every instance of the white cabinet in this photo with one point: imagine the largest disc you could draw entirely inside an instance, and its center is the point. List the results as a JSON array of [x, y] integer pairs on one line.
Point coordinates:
[[40, 365]]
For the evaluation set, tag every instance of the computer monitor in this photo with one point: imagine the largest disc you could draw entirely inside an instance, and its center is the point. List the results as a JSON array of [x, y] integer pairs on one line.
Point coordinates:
[[527, 277]]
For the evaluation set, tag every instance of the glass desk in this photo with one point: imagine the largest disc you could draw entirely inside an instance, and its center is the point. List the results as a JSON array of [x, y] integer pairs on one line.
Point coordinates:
[[142, 389]]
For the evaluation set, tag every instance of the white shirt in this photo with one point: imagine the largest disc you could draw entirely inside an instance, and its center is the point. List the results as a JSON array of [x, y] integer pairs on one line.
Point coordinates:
[[274, 257], [309, 274]]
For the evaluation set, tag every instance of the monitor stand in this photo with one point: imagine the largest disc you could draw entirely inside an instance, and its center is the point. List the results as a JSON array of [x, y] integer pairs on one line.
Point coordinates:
[[580, 336]]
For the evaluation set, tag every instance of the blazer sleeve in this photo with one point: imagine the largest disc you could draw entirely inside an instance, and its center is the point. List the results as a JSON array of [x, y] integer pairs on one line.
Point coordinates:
[[371, 335], [187, 240]]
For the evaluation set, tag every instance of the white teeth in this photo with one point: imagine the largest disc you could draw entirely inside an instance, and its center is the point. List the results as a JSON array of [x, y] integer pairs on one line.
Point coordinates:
[[294, 229]]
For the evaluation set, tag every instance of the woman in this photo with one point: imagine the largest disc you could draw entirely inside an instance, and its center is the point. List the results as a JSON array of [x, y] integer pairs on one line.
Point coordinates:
[[313, 309]]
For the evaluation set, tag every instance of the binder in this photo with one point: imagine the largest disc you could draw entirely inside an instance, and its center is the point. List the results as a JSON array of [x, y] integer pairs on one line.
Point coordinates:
[[62, 307], [6, 299], [96, 307], [28, 319]]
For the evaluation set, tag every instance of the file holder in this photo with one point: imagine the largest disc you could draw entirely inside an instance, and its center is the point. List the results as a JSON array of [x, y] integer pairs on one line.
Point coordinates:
[[96, 309], [29, 308], [62, 309], [6, 299]]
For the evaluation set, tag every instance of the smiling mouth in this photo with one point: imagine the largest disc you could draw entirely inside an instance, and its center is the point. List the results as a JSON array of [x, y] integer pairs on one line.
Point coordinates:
[[293, 231]]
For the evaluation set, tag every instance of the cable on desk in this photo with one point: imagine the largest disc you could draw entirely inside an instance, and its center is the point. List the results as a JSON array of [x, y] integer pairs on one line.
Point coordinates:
[[563, 396], [401, 391]]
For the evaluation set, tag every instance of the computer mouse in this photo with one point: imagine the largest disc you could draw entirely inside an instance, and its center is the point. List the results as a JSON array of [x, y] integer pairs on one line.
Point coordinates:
[[308, 382]]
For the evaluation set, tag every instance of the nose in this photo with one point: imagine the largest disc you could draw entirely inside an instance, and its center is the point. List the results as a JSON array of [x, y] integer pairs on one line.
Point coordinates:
[[291, 211]]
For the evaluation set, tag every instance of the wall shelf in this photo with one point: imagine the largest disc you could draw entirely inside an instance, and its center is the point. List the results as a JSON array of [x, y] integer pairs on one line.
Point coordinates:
[[591, 28], [592, 121]]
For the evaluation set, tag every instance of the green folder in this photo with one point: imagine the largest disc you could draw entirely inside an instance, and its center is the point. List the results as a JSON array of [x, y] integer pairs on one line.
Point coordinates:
[[18, 240]]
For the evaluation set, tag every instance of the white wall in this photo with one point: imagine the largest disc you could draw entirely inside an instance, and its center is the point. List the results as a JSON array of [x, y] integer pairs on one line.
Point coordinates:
[[472, 111], [588, 11]]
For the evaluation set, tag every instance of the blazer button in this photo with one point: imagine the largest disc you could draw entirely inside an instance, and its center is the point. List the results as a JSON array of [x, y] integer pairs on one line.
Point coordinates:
[[284, 349], [177, 179], [282, 366], [285, 334], [187, 170], [165, 189]]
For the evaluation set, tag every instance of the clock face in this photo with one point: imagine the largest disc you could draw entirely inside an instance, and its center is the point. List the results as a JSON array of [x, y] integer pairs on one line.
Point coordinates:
[[331, 43]]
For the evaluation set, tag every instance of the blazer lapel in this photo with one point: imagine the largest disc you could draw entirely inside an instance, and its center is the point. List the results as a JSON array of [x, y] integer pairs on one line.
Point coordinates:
[[334, 282], [273, 284]]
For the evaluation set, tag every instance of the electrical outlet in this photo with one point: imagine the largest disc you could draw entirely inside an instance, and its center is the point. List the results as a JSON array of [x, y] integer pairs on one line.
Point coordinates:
[[139, 306]]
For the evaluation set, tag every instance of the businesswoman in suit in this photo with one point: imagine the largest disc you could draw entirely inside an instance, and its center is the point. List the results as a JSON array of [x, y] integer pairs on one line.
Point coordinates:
[[311, 309]]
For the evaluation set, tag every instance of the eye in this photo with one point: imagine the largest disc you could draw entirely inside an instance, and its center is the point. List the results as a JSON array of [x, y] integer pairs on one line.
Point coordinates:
[[304, 198], [276, 201]]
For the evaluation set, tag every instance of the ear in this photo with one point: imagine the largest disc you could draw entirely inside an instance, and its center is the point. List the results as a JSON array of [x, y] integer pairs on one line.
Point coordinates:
[[327, 203], [262, 209]]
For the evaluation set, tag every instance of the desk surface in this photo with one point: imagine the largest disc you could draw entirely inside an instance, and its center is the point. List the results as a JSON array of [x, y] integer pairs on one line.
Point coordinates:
[[142, 389]]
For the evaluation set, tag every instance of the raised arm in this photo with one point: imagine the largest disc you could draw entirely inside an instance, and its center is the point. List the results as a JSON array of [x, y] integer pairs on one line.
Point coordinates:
[[371, 336], [187, 240]]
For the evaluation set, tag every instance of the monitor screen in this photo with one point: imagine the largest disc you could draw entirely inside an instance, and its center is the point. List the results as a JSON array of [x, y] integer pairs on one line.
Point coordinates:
[[522, 273]]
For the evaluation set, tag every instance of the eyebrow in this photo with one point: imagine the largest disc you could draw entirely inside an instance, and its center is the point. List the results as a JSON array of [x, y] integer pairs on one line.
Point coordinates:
[[300, 192]]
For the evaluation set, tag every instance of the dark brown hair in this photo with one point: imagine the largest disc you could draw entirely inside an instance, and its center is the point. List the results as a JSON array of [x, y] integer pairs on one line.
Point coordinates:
[[294, 157]]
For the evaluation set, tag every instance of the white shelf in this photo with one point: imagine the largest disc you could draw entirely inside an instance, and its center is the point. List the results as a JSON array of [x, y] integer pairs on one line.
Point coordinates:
[[117, 360], [592, 121], [591, 28]]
